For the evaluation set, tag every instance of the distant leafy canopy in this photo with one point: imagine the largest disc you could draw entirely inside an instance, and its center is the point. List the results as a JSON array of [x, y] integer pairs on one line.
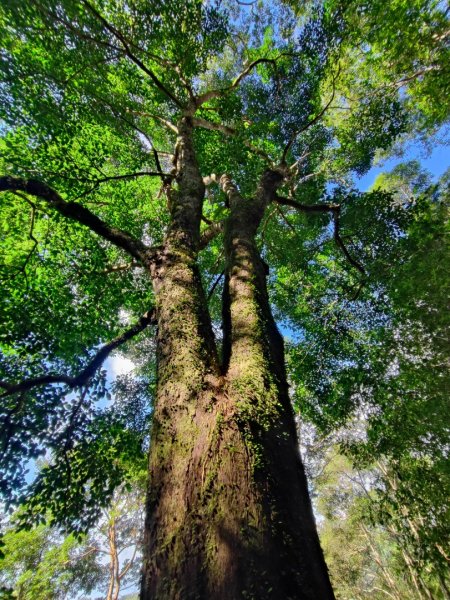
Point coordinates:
[[382, 363], [41, 565], [90, 97], [396, 329]]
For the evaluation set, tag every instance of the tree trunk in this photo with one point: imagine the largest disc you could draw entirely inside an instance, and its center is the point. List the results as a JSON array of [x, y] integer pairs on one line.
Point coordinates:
[[228, 511], [114, 583]]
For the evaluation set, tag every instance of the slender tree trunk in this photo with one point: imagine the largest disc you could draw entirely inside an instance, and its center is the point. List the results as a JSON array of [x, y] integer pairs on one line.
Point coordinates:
[[114, 584], [444, 588], [380, 562], [228, 511]]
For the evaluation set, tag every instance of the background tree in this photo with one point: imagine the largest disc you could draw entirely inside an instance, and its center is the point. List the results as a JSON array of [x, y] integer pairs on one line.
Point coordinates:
[[42, 564], [130, 112], [394, 426]]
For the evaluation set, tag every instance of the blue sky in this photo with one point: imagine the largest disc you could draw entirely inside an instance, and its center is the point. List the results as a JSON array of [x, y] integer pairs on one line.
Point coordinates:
[[436, 160]]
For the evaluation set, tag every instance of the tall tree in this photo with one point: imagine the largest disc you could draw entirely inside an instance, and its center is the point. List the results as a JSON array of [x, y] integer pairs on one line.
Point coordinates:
[[40, 564], [395, 417], [157, 151]]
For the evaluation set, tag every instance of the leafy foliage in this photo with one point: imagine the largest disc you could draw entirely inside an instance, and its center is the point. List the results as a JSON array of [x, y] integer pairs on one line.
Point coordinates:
[[40, 564], [387, 366], [316, 92]]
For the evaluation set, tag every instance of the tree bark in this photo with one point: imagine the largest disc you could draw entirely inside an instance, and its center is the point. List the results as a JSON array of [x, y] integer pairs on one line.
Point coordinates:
[[228, 511]]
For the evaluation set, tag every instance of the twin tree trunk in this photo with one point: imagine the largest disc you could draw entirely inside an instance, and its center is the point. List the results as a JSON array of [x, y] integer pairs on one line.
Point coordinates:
[[228, 511]]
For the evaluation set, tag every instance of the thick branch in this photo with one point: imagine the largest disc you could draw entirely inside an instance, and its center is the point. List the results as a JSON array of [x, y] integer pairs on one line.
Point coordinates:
[[83, 377], [230, 189], [78, 213], [336, 210], [121, 267], [210, 179], [199, 122], [210, 233]]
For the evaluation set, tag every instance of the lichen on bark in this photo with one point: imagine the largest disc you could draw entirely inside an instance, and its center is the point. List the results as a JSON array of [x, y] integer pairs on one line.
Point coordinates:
[[228, 512]]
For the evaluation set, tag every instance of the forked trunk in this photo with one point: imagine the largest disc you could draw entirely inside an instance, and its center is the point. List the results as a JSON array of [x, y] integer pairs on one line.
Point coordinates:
[[228, 511]]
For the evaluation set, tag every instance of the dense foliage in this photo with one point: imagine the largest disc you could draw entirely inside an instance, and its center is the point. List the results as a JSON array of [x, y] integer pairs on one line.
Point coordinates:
[[41, 564], [91, 95]]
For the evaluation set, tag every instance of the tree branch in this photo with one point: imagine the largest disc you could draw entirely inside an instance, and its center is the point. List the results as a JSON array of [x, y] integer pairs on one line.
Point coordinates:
[[210, 233], [97, 182], [307, 207], [119, 36], [159, 118], [83, 377], [79, 213], [117, 268], [312, 122], [199, 122], [226, 130], [230, 189], [214, 285], [210, 179], [335, 209], [31, 233], [131, 175], [343, 247], [236, 81]]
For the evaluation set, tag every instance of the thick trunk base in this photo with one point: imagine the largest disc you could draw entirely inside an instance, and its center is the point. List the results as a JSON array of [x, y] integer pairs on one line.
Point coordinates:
[[229, 513]]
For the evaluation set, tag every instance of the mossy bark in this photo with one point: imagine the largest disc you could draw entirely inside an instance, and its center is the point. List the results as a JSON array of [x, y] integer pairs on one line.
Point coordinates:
[[228, 512]]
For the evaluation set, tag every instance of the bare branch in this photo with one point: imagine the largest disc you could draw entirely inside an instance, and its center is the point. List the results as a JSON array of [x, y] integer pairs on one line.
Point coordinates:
[[79, 213], [131, 175], [214, 285], [210, 179], [199, 122], [283, 216], [293, 168], [85, 375], [307, 207], [117, 268], [230, 189], [159, 118], [128, 564], [97, 182]]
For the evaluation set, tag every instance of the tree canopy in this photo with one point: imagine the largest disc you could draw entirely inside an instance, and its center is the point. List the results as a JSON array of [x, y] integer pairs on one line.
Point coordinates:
[[94, 95]]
